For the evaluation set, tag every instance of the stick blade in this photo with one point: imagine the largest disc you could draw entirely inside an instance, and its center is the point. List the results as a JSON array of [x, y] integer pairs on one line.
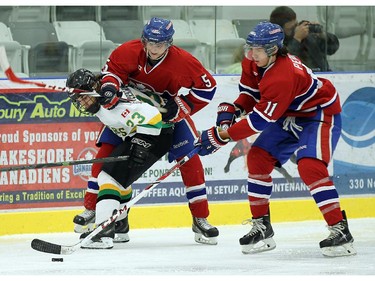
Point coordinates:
[[51, 248], [46, 247]]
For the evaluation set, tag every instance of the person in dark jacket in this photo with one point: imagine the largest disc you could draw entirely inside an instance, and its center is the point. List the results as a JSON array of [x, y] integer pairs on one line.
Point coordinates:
[[306, 40]]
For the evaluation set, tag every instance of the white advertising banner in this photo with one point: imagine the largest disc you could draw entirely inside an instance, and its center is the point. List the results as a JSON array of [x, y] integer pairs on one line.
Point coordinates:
[[353, 165], [27, 112]]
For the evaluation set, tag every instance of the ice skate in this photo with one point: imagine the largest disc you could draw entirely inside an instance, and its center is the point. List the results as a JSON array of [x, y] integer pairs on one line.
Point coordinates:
[[259, 239], [339, 242], [204, 232], [103, 240], [121, 231], [85, 221]]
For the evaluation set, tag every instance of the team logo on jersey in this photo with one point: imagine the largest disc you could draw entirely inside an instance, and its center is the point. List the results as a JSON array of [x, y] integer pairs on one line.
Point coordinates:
[[146, 93]]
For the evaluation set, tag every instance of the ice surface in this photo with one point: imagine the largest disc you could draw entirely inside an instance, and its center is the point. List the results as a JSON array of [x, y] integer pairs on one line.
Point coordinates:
[[173, 251]]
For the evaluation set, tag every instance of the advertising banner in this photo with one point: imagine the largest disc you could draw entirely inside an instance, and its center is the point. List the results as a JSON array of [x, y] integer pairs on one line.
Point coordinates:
[[43, 127]]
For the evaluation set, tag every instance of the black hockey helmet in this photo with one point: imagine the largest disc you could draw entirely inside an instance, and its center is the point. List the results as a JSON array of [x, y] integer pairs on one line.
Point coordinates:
[[84, 79]]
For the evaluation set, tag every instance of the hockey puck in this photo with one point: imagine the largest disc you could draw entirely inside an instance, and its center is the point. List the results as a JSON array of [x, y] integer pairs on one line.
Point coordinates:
[[58, 259]]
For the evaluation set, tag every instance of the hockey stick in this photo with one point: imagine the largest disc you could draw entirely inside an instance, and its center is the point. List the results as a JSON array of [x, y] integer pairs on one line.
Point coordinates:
[[64, 163], [6, 68], [47, 247]]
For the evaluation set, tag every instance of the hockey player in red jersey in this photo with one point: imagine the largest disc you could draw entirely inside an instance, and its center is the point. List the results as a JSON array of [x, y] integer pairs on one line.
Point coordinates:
[[294, 111], [159, 70]]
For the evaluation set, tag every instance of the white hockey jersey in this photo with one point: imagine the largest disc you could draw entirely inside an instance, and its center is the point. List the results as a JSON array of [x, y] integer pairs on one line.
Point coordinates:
[[132, 116]]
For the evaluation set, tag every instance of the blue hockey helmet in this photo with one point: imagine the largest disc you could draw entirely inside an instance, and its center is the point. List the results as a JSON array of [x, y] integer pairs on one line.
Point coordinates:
[[158, 30], [267, 35]]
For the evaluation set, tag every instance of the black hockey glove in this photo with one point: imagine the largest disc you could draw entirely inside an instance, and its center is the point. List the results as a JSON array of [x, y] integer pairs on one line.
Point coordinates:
[[110, 96], [176, 109], [140, 148]]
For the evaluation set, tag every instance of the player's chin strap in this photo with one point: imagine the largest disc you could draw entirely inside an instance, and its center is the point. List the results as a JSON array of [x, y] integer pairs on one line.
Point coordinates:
[[47, 247]]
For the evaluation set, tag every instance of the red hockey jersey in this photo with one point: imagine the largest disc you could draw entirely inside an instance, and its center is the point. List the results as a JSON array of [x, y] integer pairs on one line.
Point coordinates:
[[178, 69], [285, 88]]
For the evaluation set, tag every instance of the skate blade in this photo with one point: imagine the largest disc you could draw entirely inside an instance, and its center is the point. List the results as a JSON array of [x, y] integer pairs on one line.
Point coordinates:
[[84, 228], [262, 246], [200, 238], [105, 243], [339, 251], [121, 238]]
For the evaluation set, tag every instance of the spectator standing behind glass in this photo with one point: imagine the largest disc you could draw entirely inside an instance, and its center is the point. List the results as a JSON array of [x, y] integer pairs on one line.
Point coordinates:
[[307, 40]]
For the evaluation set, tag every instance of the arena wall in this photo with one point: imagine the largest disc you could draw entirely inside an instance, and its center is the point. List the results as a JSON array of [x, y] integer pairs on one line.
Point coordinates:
[[43, 126]]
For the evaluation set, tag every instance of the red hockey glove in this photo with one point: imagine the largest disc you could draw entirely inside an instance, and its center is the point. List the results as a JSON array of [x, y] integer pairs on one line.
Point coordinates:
[[210, 141], [176, 109], [110, 96]]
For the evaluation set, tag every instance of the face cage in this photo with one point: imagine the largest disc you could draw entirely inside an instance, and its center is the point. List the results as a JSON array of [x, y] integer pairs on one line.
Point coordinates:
[[268, 48], [85, 104]]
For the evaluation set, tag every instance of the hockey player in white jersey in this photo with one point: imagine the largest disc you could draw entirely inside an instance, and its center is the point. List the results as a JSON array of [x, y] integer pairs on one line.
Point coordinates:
[[141, 128]]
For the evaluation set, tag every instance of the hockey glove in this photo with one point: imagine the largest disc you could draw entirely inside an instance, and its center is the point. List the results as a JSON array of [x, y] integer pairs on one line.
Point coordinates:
[[226, 115], [140, 148], [210, 141], [110, 96], [176, 109]]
